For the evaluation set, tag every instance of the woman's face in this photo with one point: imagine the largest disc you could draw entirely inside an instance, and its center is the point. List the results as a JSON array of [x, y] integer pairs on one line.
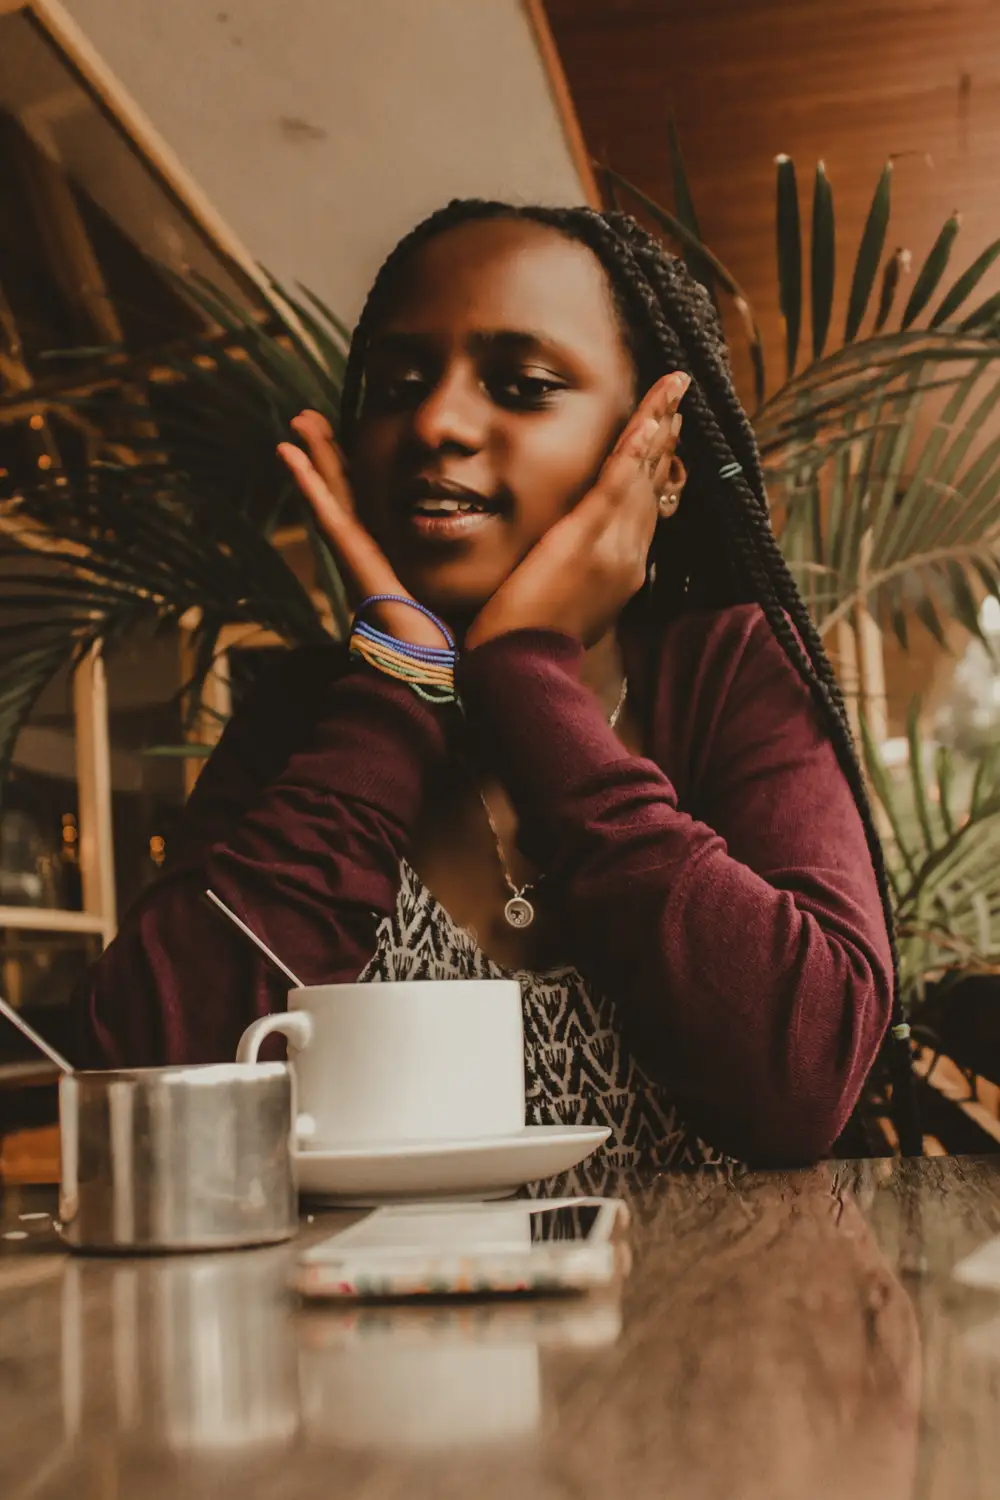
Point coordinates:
[[499, 368]]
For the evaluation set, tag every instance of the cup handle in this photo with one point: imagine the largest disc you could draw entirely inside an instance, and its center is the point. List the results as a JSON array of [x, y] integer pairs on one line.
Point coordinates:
[[296, 1025]]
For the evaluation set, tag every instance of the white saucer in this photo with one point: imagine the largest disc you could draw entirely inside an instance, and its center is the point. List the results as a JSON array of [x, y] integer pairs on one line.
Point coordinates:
[[361, 1176]]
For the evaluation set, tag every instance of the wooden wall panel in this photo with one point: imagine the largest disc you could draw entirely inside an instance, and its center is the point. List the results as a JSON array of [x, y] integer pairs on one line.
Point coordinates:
[[850, 83], [747, 79]]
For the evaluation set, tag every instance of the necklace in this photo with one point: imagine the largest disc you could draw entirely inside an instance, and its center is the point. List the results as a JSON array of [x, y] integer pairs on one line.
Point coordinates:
[[519, 911]]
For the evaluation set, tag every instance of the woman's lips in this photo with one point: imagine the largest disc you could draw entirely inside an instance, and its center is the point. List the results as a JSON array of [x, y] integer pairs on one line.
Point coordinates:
[[437, 509], [448, 525]]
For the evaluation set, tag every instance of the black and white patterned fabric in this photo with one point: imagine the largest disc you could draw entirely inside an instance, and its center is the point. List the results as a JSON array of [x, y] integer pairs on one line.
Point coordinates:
[[578, 1070]]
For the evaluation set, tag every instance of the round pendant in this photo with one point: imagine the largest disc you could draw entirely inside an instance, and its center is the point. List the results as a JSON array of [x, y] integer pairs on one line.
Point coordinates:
[[519, 912]]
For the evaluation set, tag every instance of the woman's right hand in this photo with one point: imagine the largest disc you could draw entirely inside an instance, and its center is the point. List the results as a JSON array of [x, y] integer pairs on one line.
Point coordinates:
[[322, 477]]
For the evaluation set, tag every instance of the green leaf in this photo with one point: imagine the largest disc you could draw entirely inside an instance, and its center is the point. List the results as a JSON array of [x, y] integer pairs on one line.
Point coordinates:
[[965, 285], [985, 314], [189, 750], [898, 619], [918, 783], [982, 784], [893, 455], [326, 312], [931, 272], [935, 471], [945, 769], [684, 208], [84, 351], [882, 786], [22, 680], [789, 236], [928, 616], [839, 506], [890, 282], [869, 254], [611, 201], [964, 604], [823, 266]]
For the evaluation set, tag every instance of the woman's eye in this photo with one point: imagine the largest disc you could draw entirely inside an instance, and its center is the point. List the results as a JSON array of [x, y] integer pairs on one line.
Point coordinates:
[[532, 390], [392, 388], [518, 390], [403, 379]]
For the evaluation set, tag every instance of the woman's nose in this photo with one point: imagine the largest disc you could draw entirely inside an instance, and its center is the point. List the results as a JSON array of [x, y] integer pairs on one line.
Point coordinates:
[[455, 411]]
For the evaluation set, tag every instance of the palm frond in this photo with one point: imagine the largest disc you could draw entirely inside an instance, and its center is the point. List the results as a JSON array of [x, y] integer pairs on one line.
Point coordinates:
[[185, 523], [891, 275], [943, 852], [823, 260], [869, 255], [685, 210], [930, 273], [789, 236], [128, 552], [966, 284]]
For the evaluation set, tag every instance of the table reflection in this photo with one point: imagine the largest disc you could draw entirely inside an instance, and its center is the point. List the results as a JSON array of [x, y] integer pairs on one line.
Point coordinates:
[[200, 1356], [443, 1375], [212, 1355]]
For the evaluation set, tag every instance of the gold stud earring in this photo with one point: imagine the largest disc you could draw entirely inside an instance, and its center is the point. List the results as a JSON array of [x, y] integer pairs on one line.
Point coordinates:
[[666, 504]]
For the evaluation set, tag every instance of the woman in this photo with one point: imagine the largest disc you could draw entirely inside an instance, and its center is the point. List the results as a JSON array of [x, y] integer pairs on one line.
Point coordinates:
[[647, 807]]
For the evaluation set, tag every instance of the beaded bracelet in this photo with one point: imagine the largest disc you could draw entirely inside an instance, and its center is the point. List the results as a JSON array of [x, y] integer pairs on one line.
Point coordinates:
[[428, 670]]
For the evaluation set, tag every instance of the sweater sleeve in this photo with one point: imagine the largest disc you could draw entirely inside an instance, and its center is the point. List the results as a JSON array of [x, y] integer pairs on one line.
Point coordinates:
[[746, 948], [298, 823]]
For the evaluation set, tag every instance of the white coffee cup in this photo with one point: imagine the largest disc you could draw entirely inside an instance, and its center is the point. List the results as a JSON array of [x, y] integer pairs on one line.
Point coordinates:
[[401, 1062]]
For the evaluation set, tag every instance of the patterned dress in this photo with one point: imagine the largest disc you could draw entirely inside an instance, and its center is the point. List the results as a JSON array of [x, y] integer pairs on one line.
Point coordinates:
[[578, 1070]]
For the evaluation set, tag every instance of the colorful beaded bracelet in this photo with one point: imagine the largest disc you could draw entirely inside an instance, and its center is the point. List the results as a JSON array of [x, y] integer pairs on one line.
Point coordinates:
[[428, 670]]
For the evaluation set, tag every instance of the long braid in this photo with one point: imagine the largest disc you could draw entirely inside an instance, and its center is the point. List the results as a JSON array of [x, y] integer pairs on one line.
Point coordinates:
[[669, 323], [776, 592]]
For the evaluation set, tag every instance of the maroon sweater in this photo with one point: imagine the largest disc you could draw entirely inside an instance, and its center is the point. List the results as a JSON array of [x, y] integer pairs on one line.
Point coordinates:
[[721, 892]]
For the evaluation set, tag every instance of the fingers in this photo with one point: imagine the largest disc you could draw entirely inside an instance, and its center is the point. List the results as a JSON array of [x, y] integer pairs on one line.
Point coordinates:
[[661, 400], [330, 514], [668, 393], [662, 410], [364, 565], [317, 433], [650, 437], [661, 444], [650, 443], [309, 420]]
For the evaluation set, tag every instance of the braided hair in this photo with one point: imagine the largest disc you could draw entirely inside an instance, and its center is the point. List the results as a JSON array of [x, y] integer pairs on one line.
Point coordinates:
[[720, 549]]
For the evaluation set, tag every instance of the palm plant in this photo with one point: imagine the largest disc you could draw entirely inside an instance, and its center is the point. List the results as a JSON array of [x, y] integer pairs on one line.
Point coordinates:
[[882, 452], [178, 510], [943, 855]]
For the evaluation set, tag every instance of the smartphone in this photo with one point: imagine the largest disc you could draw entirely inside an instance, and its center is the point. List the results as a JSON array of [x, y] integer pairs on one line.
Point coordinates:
[[492, 1249]]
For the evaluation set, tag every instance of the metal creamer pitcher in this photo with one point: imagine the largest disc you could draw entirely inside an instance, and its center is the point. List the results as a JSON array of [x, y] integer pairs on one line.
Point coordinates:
[[177, 1158]]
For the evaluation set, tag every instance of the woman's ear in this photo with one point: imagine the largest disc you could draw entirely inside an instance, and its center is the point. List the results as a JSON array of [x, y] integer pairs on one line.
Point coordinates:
[[671, 488]]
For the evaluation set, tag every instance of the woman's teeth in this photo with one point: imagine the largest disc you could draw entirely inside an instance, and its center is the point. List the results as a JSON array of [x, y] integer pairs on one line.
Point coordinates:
[[445, 507]]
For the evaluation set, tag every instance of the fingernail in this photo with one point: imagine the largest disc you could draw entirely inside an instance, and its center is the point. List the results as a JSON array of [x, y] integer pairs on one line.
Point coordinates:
[[676, 422], [679, 385]]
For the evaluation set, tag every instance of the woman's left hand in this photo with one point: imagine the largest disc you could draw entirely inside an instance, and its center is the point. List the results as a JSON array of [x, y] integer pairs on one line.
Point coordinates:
[[586, 567]]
